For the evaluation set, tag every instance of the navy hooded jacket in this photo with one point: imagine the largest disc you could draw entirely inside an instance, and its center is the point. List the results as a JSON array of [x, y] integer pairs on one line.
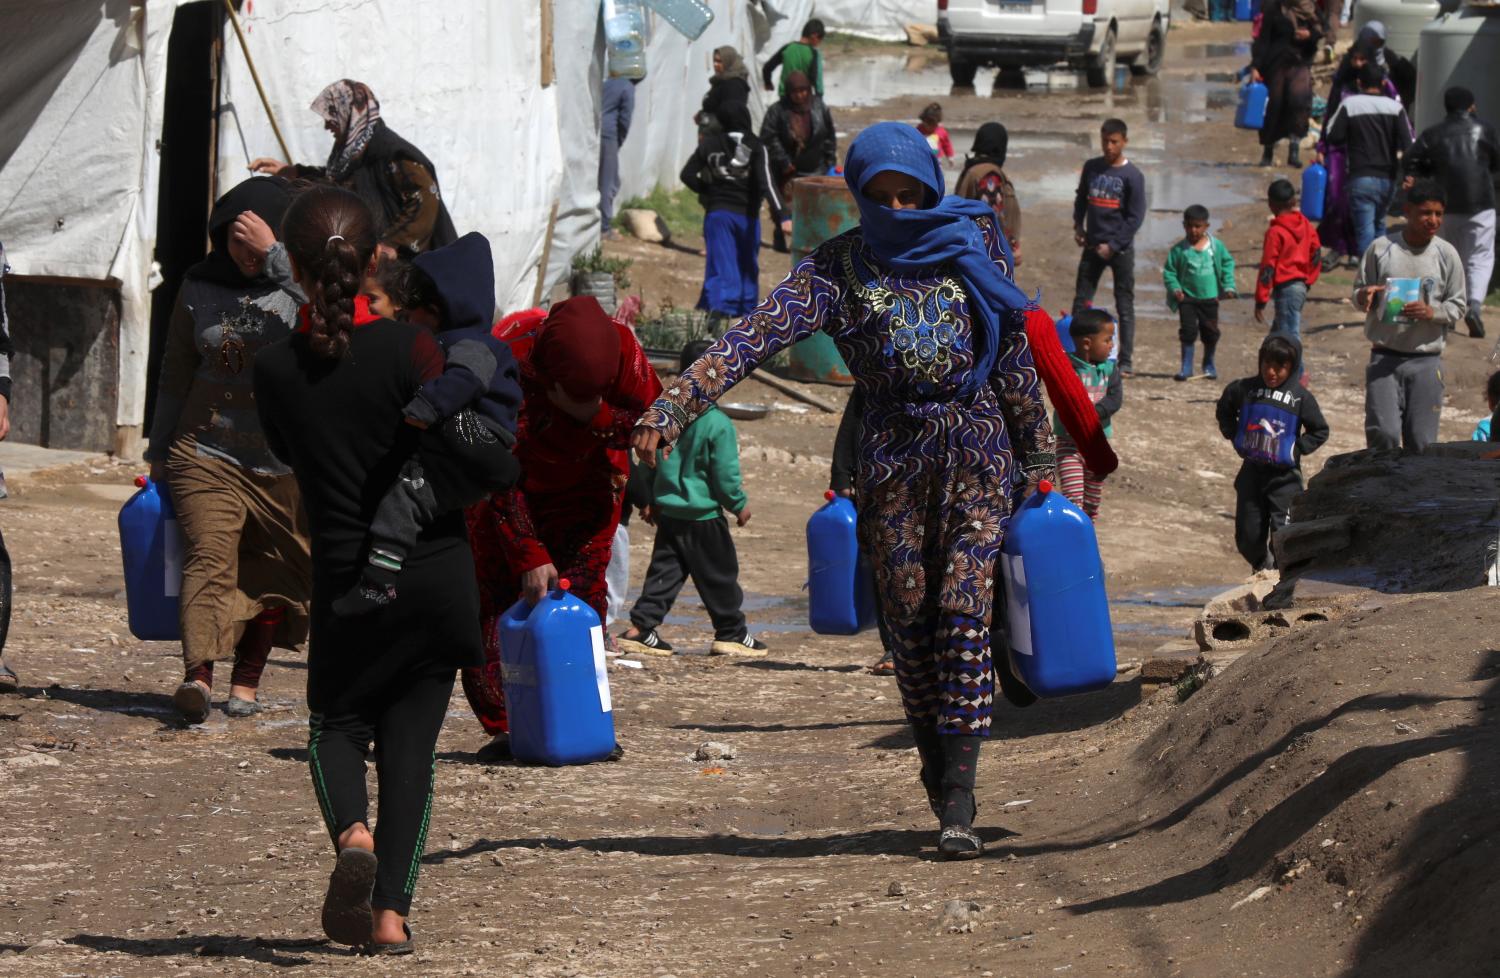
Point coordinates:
[[480, 373]]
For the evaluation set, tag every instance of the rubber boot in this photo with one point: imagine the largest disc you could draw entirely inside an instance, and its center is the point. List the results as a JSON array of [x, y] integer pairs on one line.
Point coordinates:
[[1187, 362], [1265, 156], [958, 840], [1209, 370], [1294, 155], [930, 750]]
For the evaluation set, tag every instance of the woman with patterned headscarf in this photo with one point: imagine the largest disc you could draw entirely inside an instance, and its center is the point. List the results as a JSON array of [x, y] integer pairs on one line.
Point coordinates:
[[920, 301], [394, 179]]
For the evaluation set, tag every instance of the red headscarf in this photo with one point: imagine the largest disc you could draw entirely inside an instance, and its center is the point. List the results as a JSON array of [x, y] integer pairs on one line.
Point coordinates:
[[578, 347]]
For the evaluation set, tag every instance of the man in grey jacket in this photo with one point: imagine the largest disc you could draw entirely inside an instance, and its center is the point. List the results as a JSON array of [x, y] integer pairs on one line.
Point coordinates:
[[1404, 380]]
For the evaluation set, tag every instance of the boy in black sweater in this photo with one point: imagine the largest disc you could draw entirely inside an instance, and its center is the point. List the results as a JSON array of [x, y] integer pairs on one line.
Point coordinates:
[[1107, 212], [1273, 421]]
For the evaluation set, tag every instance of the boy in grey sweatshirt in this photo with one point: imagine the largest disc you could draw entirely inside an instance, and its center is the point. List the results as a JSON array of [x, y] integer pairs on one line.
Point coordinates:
[[1404, 380]]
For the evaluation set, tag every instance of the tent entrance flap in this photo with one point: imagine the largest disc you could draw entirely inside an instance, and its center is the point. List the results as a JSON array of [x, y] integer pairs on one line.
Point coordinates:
[[189, 140]]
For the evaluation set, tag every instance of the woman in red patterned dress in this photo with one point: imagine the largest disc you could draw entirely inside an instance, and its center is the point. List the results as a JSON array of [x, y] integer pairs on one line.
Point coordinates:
[[586, 380]]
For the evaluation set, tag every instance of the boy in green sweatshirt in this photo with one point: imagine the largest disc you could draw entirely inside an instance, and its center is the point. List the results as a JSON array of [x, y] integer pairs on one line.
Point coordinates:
[[1198, 273], [693, 487]]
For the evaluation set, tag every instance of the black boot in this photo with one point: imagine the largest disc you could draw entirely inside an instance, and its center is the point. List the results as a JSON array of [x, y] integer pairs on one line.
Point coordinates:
[[1294, 155], [1265, 156], [958, 840], [930, 750]]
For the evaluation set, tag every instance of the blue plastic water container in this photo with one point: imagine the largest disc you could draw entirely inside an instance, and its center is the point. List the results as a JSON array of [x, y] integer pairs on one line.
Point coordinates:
[[1314, 191], [840, 582], [1251, 112], [1244, 10], [151, 547], [1063, 336], [1058, 612], [556, 685]]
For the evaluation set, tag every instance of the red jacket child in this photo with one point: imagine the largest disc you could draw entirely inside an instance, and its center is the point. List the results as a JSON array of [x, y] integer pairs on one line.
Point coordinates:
[[1290, 254]]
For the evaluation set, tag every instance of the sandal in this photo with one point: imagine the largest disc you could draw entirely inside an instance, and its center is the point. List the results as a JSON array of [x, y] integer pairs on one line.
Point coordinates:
[[346, 908], [885, 667], [191, 699], [403, 947], [9, 681]]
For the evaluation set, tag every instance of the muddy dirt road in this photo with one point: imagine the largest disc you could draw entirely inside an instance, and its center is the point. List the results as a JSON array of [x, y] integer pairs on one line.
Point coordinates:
[[1128, 834]]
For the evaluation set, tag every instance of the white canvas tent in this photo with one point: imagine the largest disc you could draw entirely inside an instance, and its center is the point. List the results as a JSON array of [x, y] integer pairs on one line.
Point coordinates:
[[883, 19], [513, 132]]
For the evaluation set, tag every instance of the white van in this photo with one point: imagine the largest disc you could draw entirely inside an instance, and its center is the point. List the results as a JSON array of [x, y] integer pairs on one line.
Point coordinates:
[[1089, 34]]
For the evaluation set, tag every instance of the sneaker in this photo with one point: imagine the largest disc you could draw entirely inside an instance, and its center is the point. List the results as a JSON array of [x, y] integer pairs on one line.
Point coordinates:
[[749, 645], [645, 643], [241, 708]]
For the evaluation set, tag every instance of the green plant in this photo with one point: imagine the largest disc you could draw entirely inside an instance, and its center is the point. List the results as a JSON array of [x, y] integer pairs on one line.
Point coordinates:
[[671, 328], [679, 209], [597, 262], [1195, 679]]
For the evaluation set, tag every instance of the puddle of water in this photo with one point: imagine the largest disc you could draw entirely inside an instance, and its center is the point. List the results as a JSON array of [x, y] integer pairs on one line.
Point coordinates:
[[1238, 49], [1147, 629], [1173, 597]]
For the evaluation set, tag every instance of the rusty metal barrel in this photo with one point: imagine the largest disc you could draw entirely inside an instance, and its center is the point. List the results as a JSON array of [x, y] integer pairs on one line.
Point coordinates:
[[822, 208]]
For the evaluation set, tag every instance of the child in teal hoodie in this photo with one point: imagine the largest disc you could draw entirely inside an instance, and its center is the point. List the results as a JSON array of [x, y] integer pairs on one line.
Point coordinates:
[[1093, 333], [1198, 273], [693, 487]]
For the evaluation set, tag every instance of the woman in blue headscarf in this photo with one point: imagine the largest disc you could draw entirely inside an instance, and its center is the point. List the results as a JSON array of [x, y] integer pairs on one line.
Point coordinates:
[[920, 301]]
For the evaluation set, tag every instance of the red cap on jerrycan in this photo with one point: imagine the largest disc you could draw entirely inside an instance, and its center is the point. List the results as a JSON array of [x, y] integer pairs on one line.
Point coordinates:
[[564, 584], [829, 495], [140, 482], [1044, 486]]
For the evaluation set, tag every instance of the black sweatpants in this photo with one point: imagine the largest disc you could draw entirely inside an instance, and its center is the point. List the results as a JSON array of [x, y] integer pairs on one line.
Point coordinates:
[[1122, 266], [402, 718], [704, 550], [1199, 317], [1263, 502]]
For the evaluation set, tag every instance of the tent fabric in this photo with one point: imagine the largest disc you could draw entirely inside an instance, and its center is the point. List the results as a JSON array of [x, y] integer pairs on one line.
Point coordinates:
[[461, 80], [81, 90], [578, 57], [883, 19], [662, 133]]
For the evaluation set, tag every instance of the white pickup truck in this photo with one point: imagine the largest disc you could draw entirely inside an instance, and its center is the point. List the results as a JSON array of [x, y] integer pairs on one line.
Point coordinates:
[[1090, 34]]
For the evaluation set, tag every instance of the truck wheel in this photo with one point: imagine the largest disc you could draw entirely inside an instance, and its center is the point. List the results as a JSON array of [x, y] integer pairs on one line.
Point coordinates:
[[962, 71], [1148, 62], [1101, 67]]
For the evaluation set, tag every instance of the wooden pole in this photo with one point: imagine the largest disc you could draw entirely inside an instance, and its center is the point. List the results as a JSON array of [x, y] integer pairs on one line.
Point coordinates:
[[541, 272], [234, 19], [549, 66]]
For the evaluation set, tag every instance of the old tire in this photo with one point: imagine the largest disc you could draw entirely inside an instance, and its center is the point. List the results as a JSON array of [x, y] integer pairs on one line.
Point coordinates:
[[1101, 66], [1148, 62]]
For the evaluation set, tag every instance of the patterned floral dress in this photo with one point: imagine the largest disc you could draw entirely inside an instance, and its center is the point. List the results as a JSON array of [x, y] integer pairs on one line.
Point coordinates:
[[937, 468]]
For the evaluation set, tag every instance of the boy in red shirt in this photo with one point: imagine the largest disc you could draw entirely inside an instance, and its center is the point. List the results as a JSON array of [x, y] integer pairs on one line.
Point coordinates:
[[1288, 262]]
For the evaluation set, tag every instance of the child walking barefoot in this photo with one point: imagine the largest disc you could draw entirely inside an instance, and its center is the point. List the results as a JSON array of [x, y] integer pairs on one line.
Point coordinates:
[[920, 301]]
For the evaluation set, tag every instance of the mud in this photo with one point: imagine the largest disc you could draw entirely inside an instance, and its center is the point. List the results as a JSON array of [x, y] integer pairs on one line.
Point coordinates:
[[1324, 806]]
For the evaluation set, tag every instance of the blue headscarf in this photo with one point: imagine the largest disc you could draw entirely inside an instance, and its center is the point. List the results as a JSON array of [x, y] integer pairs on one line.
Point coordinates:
[[943, 231]]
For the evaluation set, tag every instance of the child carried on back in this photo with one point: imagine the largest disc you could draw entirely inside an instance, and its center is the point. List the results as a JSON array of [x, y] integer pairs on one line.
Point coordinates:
[[474, 401]]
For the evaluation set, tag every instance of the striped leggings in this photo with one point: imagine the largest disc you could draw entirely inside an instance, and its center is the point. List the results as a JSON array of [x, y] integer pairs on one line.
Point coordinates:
[[404, 729], [1082, 487]]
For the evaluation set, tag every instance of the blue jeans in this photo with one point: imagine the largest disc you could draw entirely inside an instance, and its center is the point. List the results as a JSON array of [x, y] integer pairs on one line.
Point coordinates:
[[1288, 298], [1368, 199]]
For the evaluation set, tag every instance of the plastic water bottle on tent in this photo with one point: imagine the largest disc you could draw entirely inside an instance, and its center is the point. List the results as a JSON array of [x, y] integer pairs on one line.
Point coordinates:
[[151, 547], [840, 584], [556, 688], [1056, 606], [1314, 191], [625, 38]]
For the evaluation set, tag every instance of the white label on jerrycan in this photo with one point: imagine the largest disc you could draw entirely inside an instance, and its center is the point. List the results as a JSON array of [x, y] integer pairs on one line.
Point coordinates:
[[171, 550], [1018, 612], [601, 675]]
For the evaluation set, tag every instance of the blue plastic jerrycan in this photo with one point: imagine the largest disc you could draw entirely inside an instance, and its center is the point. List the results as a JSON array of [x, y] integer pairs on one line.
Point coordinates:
[[1251, 112], [151, 547], [1058, 613], [1314, 191], [1063, 324], [840, 583], [1244, 10], [556, 685]]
